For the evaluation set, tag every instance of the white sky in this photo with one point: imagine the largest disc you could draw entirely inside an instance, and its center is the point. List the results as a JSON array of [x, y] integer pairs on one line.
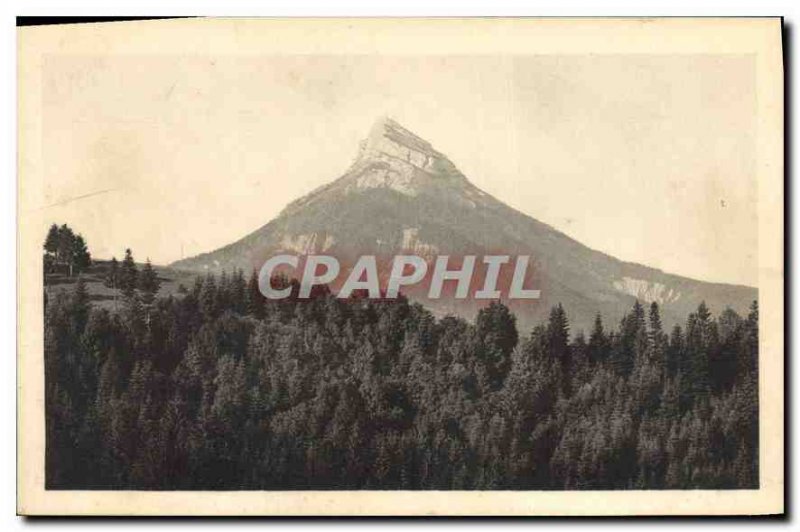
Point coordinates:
[[648, 158]]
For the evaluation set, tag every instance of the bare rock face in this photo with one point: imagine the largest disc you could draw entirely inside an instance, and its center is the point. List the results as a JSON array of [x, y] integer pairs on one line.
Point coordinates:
[[401, 195], [391, 142], [395, 158]]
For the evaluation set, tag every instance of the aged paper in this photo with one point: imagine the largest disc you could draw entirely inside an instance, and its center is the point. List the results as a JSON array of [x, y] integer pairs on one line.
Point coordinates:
[[401, 267]]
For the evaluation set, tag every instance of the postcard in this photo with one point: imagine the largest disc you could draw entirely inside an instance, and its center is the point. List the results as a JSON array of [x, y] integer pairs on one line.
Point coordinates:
[[401, 267]]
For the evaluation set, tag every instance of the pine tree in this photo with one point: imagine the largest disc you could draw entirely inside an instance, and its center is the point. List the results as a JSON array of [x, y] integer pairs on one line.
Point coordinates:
[[209, 297], [629, 344], [148, 282], [655, 322], [598, 342], [51, 248], [579, 352], [128, 274], [700, 342], [675, 351], [81, 258], [66, 245], [638, 315], [51, 242], [730, 327], [658, 340], [557, 344], [496, 326]]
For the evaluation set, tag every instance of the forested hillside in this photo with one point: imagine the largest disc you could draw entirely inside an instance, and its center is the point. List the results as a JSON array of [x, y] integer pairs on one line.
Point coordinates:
[[217, 388]]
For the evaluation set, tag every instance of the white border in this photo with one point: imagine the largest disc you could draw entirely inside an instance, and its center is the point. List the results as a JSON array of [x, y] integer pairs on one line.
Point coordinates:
[[787, 8]]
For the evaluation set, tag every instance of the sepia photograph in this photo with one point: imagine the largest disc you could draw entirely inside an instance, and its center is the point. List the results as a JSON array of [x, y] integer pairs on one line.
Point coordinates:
[[401, 267]]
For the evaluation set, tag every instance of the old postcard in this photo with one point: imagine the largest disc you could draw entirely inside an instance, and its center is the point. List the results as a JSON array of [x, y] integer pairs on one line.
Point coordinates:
[[401, 267]]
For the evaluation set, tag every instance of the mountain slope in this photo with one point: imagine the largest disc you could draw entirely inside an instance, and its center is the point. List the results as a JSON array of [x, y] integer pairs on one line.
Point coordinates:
[[401, 195]]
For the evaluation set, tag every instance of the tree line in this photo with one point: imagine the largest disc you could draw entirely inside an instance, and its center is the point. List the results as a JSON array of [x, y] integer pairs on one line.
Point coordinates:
[[65, 251], [127, 278], [219, 389]]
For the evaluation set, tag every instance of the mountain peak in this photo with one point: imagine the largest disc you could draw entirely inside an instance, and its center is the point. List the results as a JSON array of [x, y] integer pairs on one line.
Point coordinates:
[[389, 137], [402, 196], [393, 156]]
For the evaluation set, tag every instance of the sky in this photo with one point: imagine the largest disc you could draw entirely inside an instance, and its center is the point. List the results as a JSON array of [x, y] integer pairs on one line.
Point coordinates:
[[649, 158]]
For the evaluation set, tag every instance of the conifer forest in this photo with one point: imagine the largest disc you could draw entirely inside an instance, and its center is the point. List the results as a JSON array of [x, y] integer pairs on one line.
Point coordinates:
[[214, 387]]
